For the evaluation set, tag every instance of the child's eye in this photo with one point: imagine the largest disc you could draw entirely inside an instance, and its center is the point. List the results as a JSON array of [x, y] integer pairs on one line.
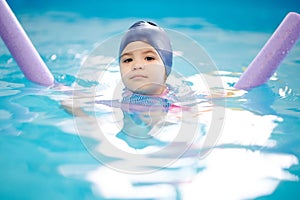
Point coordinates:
[[149, 58], [127, 60]]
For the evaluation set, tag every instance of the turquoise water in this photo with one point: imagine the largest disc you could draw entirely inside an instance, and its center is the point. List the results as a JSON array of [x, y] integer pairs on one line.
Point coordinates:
[[256, 154]]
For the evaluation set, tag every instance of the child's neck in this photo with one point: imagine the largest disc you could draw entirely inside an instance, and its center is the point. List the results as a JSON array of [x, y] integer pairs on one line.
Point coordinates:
[[162, 92]]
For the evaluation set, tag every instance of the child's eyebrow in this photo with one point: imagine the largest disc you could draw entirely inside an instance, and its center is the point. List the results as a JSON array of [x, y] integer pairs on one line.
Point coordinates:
[[144, 52], [149, 51], [126, 54]]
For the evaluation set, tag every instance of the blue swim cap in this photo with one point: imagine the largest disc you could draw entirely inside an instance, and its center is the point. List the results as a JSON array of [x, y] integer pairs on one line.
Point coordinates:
[[155, 36]]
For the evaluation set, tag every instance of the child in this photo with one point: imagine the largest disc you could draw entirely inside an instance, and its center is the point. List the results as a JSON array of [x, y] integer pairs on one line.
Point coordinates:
[[145, 63]]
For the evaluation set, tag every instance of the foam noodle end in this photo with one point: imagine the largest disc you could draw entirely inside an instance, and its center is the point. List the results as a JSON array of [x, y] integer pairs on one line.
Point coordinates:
[[271, 55], [21, 48]]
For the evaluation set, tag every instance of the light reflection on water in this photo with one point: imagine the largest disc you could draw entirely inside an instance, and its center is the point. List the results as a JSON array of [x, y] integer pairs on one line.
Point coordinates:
[[231, 170]]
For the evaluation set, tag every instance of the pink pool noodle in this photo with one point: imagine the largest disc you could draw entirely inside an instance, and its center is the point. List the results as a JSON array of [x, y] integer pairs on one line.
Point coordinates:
[[274, 51], [21, 48]]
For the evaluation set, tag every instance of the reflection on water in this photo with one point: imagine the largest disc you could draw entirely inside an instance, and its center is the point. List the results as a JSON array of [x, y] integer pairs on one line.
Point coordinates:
[[239, 167]]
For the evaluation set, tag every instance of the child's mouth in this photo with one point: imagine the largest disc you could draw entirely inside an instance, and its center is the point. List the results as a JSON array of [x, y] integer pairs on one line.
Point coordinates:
[[138, 76]]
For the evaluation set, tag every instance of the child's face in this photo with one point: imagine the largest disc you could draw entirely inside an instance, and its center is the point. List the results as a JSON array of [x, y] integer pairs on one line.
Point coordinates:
[[142, 69]]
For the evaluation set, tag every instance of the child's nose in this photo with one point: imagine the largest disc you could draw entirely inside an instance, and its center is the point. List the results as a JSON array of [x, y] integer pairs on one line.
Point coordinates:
[[137, 65]]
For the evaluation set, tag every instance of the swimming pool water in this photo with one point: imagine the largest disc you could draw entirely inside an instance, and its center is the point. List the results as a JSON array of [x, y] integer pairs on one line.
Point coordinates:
[[257, 153]]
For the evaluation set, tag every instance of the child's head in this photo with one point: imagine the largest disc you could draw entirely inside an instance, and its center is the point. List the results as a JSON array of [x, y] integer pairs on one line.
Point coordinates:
[[145, 58]]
